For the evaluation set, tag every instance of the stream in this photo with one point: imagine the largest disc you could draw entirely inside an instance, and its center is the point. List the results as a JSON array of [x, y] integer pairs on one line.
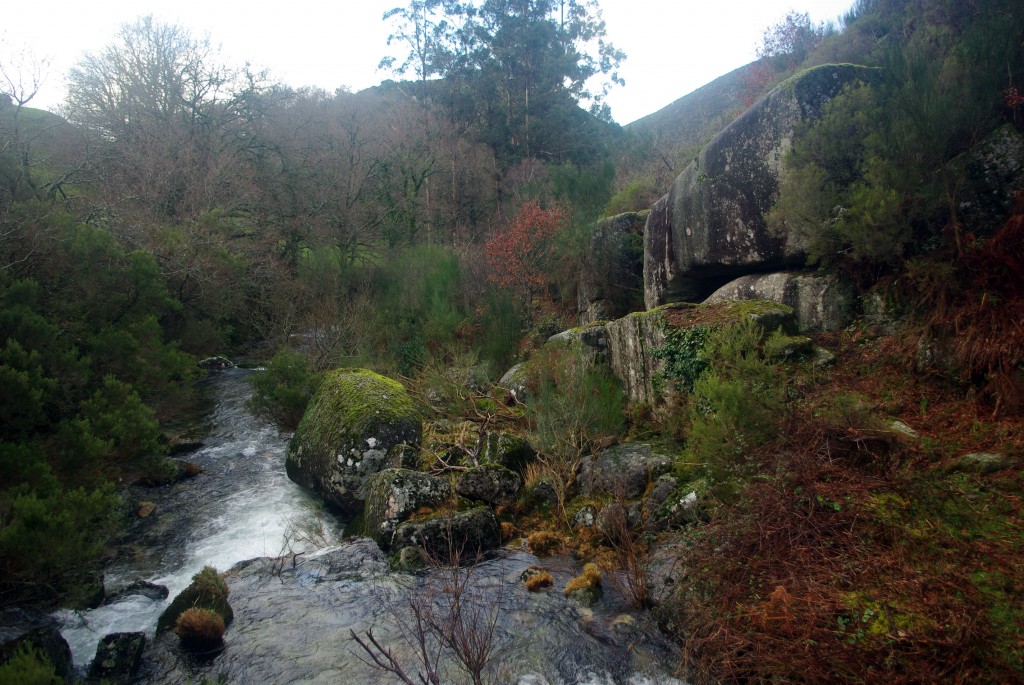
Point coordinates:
[[298, 589]]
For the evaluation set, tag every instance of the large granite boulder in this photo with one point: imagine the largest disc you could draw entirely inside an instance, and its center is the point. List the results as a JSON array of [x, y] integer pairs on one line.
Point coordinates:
[[624, 470], [355, 418], [710, 228], [819, 302], [392, 495], [610, 284]]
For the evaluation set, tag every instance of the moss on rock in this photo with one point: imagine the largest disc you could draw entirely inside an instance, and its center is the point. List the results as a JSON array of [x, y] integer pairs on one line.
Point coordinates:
[[353, 420]]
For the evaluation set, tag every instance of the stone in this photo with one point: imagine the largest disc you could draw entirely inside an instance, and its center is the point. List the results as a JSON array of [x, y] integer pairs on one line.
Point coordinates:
[[23, 629], [393, 495], [586, 517], [903, 430], [611, 280], [820, 302], [623, 470], [508, 450], [466, 533], [514, 381], [664, 572], [592, 339], [215, 364], [618, 518], [142, 588], [346, 435], [586, 596], [993, 171], [145, 510], [493, 485], [208, 590], [710, 228], [118, 657], [822, 358], [663, 488], [986, 463], [543, 493]]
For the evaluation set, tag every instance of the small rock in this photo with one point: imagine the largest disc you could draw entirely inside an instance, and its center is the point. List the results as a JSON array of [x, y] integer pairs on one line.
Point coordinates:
[[216, 364], [663, 488], [584, 518], [904, 430], [822, 358], [118, 657], [142, 588], [145, 510], [623, 470], [408, 559], [587, 596], [986, 462]]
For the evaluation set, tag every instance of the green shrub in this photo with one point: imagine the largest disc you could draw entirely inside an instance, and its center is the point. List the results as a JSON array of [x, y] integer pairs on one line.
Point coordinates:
[[282, 391], [736, 403], [683, 355], [28, 666]]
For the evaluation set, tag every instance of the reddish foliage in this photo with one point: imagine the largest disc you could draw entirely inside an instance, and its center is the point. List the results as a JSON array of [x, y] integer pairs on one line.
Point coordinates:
[[517, 255]]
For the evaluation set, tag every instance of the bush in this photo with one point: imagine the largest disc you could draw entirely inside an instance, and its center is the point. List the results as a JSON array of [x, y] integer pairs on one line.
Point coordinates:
[[736, 403], [199, 628], [283, 390], [27, 666]]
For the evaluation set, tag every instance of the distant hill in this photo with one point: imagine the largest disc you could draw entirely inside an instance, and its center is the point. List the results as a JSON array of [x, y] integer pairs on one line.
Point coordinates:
[[696, 116]]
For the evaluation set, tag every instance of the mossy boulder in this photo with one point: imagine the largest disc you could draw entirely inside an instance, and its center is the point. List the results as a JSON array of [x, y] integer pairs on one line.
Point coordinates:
[[208, 590], [467, 533], [392, 495], [351, 424], [493, 485]]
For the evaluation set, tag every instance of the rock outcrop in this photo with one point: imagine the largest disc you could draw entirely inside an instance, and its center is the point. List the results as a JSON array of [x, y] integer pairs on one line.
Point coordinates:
[[611, 283], [352, 423], [710, 228], [820, 303]]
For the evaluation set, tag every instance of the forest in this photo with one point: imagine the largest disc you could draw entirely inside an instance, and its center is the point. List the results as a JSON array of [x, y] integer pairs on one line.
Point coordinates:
[[435, 228]]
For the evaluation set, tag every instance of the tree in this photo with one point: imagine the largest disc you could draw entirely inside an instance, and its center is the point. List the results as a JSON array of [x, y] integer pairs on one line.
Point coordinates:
[[517, 256]]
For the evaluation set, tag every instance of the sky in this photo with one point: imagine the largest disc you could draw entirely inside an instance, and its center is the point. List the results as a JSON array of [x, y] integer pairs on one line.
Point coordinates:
[[673, 47]]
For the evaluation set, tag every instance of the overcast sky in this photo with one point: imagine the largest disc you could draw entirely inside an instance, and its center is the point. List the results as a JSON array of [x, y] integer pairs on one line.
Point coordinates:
[[673, 46]]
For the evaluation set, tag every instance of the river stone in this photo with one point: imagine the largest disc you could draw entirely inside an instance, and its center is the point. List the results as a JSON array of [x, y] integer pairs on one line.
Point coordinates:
[[140, 587], [393, 495], [493, 485], [208, 590], [216, 364], [351, 423], [664, 572], [710, 228], [118, 657], [467, 533], [611, 281], [623, 470], [820, 302]]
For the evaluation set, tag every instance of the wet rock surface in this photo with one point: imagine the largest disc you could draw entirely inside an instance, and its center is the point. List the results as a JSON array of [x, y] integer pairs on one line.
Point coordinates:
[[292, 624]]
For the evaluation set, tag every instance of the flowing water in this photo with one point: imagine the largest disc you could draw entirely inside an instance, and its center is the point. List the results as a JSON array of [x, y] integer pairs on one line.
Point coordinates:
[[294, 613]]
